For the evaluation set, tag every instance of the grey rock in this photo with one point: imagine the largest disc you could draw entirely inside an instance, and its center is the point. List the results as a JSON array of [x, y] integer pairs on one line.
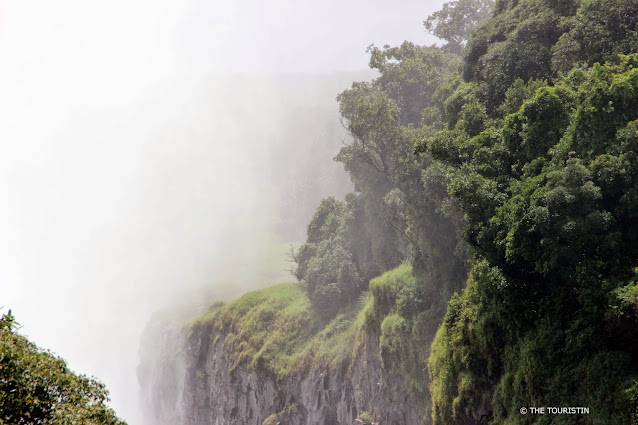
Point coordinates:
[[185, 379]]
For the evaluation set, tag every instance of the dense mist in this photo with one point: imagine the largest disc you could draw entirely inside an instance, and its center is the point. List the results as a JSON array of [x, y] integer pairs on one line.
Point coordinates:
[[156, 153], [196, 205]]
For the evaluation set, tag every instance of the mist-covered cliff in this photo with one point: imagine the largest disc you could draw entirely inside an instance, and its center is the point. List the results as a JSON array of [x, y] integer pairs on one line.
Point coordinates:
[[266, 354], [486, 262]]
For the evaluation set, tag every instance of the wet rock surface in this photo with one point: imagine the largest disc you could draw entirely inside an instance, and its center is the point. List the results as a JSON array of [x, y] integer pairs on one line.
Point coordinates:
[[185, 379]]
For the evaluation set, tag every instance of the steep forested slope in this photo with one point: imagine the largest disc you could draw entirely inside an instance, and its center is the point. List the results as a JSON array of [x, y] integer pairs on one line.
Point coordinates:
[[549, 195], [494, 200], [531, 151]]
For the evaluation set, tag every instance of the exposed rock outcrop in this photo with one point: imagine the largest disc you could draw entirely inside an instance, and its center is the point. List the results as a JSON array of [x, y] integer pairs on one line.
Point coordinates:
[[185, 379]]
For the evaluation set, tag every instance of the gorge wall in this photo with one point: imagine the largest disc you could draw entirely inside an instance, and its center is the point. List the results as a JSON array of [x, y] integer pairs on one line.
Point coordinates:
[[186, 377]]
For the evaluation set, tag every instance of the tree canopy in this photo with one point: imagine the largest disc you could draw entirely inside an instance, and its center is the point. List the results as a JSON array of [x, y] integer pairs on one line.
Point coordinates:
[[457, 20], [37, 387], [515, 161]]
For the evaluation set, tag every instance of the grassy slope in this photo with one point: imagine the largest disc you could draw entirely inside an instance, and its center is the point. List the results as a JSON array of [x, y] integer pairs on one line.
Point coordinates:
[[276, 332]]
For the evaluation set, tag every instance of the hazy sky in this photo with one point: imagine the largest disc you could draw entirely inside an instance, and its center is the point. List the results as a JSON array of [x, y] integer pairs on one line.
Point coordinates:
[[123, 165]]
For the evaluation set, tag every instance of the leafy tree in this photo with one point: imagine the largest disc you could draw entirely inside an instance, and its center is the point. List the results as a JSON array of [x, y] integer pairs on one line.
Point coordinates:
[[399, 206], [554, 233], [537, 165], [457, 20], [373, 120], [38, 388], [541, 170], [515, 43], [412, 202], [410, 75], [334, 263], [599, 32], [529, 39]]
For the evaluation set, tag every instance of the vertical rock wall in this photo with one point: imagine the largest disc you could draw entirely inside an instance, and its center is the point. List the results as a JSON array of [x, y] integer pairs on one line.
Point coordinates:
[[185, 379]]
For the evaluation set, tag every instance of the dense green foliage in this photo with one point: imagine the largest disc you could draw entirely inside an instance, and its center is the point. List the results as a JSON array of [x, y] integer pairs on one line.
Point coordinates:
[[457, 20], [539, 39], [403, 312], [517, 162], [336, 259], [401, 209], [545, 172], [551, 206], [530, 152], [38, 388]]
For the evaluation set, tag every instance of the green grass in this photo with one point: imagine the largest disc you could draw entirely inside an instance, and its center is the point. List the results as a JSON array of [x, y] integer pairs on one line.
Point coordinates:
[[276, 331], [206, 316], [405, 325], [385, 291]]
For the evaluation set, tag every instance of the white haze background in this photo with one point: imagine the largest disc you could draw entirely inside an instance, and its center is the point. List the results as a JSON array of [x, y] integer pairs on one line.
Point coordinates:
[[130, 168]]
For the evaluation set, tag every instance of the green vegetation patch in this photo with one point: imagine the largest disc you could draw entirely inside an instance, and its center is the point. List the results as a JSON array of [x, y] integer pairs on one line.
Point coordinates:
[[481, 371], [37, 387], [276, 331], [548, 316], [405, 317]]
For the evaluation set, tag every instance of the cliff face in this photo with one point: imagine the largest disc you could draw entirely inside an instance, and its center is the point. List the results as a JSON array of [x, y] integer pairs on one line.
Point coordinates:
[[186, 379]]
